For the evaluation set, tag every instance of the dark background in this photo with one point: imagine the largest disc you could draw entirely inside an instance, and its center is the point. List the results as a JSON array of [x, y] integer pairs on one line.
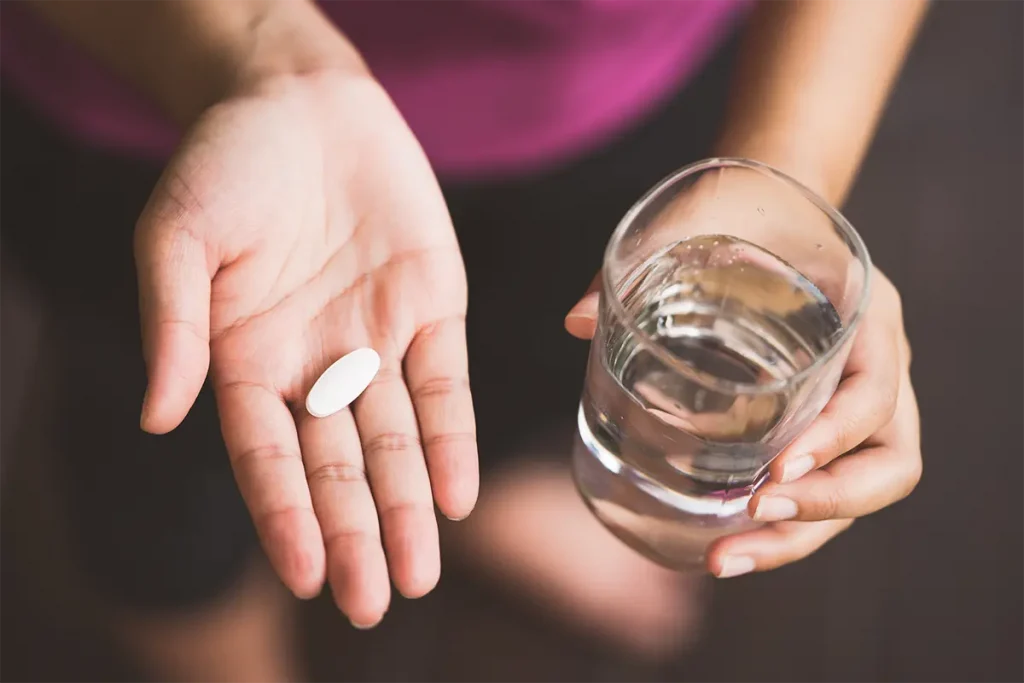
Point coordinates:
[[929, 590]]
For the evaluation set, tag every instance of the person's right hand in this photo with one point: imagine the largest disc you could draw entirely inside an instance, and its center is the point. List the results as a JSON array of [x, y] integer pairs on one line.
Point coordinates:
[[298, 221]]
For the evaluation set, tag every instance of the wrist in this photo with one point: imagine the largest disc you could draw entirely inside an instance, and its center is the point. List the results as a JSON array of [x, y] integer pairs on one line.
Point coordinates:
[[270, 42], [292, 39], [786, 152]]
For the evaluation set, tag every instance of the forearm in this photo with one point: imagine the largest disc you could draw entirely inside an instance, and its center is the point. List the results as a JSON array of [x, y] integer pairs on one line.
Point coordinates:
[[812, 81], [187, 54]]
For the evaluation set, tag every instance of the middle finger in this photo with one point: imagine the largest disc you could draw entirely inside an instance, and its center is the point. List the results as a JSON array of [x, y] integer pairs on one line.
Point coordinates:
[[856, 484]]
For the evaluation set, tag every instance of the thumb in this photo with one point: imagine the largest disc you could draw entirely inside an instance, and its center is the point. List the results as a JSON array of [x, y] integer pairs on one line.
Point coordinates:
[[174, 302], [581, 322]]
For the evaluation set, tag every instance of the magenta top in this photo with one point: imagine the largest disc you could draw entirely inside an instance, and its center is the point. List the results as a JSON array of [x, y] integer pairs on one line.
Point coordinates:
[[488, 86]]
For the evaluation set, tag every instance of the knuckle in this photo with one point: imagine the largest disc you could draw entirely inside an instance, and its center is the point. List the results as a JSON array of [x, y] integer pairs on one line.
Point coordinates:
[[896, 300], [284, 515], [434, 328], [912, 477], [403, 508], [440, 387], [831, 504], [387, 374], [908, 351], [440, 440], [391, 442], [252, 457], [189, 326], [885, 407], [336, 473], [888, 292], [333, 538], [842, 439]]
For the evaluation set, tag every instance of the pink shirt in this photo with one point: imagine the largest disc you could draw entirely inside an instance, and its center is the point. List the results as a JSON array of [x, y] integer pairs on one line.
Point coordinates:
[[488, 86]]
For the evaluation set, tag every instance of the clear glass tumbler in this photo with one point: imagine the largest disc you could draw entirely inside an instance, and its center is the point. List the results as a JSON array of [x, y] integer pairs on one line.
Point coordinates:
[[730, 297]]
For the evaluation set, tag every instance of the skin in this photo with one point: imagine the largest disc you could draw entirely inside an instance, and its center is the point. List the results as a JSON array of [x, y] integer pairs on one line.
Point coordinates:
[[299, 220], [808, 106]]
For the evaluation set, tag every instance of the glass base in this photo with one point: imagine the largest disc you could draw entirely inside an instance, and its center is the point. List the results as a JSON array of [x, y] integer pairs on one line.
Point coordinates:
[[670, 528]]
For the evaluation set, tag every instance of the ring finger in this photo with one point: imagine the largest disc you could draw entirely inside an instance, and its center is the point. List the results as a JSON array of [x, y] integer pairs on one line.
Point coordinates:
[[856, 484]]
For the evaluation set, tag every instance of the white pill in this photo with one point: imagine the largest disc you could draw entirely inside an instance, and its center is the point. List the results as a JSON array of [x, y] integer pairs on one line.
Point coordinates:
[[342, 382]]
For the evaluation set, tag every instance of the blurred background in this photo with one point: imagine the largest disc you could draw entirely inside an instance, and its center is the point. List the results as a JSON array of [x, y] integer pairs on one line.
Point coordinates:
[[929, 590]]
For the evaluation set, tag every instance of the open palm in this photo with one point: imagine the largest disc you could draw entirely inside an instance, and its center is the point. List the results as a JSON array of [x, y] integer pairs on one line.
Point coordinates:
[[294, 225]]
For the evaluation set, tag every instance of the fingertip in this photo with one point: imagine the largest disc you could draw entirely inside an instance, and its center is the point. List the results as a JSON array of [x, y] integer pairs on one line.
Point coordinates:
[[752, 504], [458, 514], [460, 509], [714, 560], [421, 572], [155, 419], [159, 425], [581, 321], [457, 498], [146, 421], [581, 326], [418, 583], [295, 549], [412, 547], [735, 565], [305, 573], [369, 615], [176, 376], [367, 625], [163, 411], [306, 589], [359, 579]]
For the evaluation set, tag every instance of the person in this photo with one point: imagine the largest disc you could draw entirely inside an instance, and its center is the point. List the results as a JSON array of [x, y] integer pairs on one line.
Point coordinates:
[[332, 166]]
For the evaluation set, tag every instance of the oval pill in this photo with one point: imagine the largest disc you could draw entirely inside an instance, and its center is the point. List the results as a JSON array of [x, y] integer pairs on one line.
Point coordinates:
[[342, 382]]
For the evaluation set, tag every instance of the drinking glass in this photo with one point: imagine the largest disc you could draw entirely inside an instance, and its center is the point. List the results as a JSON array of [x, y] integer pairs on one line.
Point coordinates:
[[730, 297]]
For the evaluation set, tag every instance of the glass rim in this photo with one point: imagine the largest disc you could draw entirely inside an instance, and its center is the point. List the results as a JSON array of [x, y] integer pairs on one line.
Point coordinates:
[[856, 242]]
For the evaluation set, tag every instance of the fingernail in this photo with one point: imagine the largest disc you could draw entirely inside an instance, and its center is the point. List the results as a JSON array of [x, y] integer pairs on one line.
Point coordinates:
[[774, 509], [797, 467], [578, 315], [735, 565], [580, 324]]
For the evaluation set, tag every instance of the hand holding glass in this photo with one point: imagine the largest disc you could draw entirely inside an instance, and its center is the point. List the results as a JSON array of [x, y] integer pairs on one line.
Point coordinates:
[[730, 297]]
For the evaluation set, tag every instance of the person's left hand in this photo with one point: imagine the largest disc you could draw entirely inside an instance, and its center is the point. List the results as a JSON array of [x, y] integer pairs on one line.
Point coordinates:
[[862, 453]]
